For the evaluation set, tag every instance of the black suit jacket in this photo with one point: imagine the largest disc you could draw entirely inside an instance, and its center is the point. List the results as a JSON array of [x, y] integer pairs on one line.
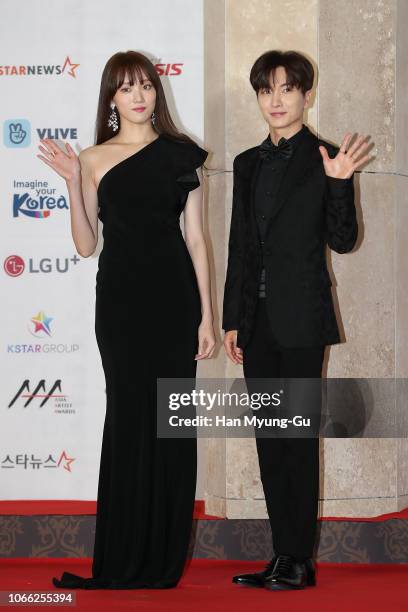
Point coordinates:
[[313, 211]]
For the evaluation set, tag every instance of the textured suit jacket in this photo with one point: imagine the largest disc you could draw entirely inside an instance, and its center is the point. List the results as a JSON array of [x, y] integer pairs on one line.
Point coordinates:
[[313, 211]]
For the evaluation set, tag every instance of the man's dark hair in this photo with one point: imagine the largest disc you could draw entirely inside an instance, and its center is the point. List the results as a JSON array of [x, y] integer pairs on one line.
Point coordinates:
[[299, 70]]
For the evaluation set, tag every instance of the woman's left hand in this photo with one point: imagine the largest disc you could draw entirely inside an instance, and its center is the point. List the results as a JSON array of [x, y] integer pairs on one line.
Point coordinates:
[[346, 160], [206, 340]]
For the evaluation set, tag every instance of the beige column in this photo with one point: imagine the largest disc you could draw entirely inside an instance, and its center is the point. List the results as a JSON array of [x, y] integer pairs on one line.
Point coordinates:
[[359, 48], [401, 246], [360, 60]]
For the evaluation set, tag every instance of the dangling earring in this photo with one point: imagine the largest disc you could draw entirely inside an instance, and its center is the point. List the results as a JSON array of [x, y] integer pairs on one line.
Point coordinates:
[[113, 118], [153, 118]]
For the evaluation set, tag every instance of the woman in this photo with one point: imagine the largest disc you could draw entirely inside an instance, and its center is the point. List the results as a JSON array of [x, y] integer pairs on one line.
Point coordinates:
[[153, 318]]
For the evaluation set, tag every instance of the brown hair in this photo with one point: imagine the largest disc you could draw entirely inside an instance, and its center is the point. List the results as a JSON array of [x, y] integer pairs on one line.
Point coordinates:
[[134, 64], [299, 70]]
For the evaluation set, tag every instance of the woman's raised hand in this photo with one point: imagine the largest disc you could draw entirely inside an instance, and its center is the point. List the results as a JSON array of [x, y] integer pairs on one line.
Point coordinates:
[[66, 164]]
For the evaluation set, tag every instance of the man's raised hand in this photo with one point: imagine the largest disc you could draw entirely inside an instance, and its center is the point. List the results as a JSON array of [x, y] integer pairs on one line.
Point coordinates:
[[346, 160]]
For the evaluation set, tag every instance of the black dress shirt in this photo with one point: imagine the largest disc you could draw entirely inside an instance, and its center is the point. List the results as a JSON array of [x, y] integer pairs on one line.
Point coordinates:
[[266, 189]]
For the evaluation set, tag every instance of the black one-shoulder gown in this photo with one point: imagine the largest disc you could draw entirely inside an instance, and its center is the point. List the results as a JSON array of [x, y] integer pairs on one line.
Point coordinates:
[[147, 314]]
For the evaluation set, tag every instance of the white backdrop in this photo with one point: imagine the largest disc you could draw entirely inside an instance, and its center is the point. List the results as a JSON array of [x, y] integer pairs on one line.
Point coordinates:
[[52, 56]]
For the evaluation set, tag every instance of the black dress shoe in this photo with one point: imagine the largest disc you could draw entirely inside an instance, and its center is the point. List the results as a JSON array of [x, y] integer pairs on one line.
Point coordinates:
[[288, 573], [257, 579]]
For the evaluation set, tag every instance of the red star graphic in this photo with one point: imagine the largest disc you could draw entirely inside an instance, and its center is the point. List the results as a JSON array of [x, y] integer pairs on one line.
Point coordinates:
[[68, 461], [73, 67]]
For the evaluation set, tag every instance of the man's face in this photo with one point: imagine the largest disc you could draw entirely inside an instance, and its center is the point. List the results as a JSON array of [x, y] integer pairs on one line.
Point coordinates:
[[280, 104]]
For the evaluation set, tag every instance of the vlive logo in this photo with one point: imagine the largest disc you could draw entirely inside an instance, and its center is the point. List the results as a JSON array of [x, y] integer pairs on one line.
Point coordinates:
[[40, 327], [59, 400], [67, 67], [17, 133], [14, 265]]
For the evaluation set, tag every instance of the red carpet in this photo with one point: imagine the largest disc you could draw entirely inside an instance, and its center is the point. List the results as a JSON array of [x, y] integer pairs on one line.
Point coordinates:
[[206, 586], [402, 514], [25, 507], [28, 507]]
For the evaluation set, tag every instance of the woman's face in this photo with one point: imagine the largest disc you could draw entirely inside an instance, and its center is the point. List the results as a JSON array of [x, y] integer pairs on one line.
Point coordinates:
[[136, 102], [280, 104]]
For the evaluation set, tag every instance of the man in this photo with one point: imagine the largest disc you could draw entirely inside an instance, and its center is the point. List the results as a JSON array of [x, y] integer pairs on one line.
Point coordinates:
[[292, 196]]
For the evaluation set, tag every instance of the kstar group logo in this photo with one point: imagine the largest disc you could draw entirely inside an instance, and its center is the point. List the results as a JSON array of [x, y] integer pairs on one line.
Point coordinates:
[[25, 70], [39, 326]]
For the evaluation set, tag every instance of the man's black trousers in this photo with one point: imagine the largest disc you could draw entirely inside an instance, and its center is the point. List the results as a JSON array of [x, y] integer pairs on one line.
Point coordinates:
[[289, 467]]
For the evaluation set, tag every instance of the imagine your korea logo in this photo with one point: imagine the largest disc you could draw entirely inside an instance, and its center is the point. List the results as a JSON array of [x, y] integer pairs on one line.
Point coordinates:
[[17, 133]]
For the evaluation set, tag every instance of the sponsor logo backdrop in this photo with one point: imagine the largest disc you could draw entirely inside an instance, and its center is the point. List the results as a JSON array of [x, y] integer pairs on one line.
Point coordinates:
[[53, 388]]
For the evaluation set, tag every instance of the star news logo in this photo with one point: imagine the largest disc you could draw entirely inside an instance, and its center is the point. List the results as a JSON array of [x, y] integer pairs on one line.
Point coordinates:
[[24, 70], [72, 67]]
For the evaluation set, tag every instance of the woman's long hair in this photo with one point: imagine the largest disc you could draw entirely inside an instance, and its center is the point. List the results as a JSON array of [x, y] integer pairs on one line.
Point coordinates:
[[134, 64]]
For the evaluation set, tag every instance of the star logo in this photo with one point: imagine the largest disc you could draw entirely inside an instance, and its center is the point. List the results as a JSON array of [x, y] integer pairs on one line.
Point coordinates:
[[72, 67], [68, 461], [42, 323]]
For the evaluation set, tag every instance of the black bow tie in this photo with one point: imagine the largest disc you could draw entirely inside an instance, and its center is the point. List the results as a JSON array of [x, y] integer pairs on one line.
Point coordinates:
[[269, 151]]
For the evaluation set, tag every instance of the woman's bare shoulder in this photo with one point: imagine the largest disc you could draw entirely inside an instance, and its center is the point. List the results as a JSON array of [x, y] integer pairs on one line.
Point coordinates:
[[92, 153], [97, 154], [95, 157]]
